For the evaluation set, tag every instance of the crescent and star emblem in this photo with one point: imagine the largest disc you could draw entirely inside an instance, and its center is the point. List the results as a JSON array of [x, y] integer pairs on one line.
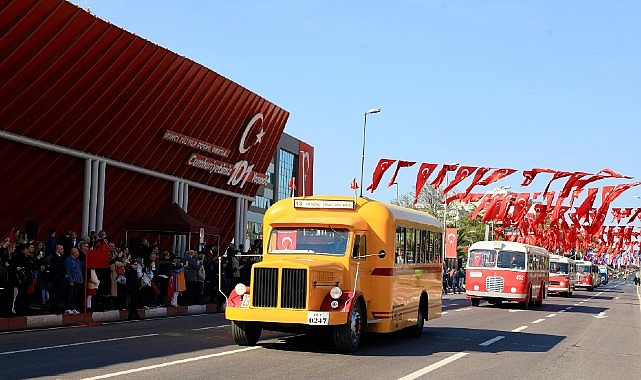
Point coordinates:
[[451, 238], [286, 242], [259, 136]]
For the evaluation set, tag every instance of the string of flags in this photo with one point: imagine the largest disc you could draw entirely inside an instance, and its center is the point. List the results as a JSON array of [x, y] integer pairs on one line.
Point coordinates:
[[538, 218]]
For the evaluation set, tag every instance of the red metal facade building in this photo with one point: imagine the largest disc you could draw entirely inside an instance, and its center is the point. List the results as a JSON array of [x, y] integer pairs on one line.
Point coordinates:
[[82, 100]]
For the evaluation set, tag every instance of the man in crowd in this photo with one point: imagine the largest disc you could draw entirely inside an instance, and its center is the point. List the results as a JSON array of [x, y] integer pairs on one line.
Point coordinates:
[[73, 267]]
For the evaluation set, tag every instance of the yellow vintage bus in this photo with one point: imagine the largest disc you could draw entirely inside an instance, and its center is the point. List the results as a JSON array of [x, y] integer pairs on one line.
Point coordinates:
[[341, 264]]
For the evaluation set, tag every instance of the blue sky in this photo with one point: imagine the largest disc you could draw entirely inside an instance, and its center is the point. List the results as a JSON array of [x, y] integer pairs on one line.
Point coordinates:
[[517, 84]]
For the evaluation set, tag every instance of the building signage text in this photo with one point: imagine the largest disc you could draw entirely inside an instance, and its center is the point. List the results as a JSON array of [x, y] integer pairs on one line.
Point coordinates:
[[195, 143]]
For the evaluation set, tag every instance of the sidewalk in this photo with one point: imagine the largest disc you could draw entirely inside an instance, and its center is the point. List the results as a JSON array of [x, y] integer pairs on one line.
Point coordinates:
[[58, 320]]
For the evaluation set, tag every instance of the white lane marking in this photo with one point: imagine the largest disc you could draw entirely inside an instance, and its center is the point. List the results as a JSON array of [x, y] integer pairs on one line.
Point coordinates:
[[432, 367], [211, 327], [601, 315], [161, 365], [444, 312], [515, 311], [550, 315], [464, 309], [539, 320], [495, 339], [75, 344], [519, 329]]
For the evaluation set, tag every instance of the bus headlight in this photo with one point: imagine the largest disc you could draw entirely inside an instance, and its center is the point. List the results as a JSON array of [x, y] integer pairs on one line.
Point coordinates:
[[240, 289], [335, 292], [562, 283]]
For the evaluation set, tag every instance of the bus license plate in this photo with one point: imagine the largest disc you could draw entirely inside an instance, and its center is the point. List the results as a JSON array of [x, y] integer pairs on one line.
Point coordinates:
[[318, 318]]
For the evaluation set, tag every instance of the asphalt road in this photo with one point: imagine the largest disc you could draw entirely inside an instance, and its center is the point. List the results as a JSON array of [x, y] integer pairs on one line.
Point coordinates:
[[592, 335]]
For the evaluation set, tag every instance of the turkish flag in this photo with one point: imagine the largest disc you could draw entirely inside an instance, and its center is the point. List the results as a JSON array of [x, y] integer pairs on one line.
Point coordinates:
[[612, 174], [462, 173], [520, 206], [292, 183], [496, 175], [354, 184], [286, 240], [530, 174], [423, 174], [584, 208], [383, 165], [441, 174], [400, 164], [477, 177], [451, 240], [556, 175], [570, 183]]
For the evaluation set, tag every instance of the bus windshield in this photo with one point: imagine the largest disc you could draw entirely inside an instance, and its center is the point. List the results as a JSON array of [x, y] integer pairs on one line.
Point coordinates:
[[510, 259], [583, 268], [330, 241], [489, 258], [561, 268]]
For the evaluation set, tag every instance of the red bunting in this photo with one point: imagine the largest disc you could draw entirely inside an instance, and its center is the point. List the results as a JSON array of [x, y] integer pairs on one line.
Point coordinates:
[[496, 175], [530, 174], [423, 174], [400, 164], [441, 174], [383, 165], [462, 173], [477, 177]]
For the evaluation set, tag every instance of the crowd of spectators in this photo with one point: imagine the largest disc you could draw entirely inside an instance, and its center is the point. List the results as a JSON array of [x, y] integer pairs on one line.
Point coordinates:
[[50, 276]]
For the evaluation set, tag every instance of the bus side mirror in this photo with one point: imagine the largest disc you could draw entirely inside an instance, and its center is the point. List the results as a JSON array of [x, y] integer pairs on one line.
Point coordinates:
[[382, 254]]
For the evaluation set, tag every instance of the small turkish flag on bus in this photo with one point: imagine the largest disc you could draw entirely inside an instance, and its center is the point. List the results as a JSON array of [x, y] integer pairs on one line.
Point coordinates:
[[354, 184], [292, 183]]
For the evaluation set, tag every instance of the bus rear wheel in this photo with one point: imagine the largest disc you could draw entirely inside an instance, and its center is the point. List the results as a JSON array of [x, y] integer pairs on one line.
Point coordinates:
[[246, 333], [347, 337], [417, 330]]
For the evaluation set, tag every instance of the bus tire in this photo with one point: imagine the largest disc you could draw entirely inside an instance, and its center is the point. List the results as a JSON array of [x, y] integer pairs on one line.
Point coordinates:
[[530, 300], [347, 337], [539, 301], [417, 330], [475, 301], [246, 333]]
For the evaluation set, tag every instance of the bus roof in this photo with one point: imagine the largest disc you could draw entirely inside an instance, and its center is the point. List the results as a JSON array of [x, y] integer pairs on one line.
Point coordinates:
[[507, 245], [402, 215], [554, 258]]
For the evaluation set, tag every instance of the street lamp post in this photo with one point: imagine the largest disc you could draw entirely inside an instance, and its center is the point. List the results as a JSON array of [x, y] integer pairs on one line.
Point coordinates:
[[445, 213], [373, 110]]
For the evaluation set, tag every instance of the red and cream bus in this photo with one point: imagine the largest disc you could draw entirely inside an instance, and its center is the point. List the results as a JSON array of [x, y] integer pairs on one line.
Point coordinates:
[[562, 275], [587, 275], [500, 271], [343, 266]]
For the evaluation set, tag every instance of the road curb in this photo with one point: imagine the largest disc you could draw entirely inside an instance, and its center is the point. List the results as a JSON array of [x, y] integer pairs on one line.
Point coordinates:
[[60, 320]]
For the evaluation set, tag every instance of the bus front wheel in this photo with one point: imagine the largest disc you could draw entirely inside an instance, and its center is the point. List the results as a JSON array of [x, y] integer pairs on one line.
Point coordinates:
[[475, 301], [347, 337], [246, 333]]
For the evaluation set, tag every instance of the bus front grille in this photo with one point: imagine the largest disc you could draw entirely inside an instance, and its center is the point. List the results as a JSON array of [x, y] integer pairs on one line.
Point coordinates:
[[494, 284], [293, 290], [293, 293]]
